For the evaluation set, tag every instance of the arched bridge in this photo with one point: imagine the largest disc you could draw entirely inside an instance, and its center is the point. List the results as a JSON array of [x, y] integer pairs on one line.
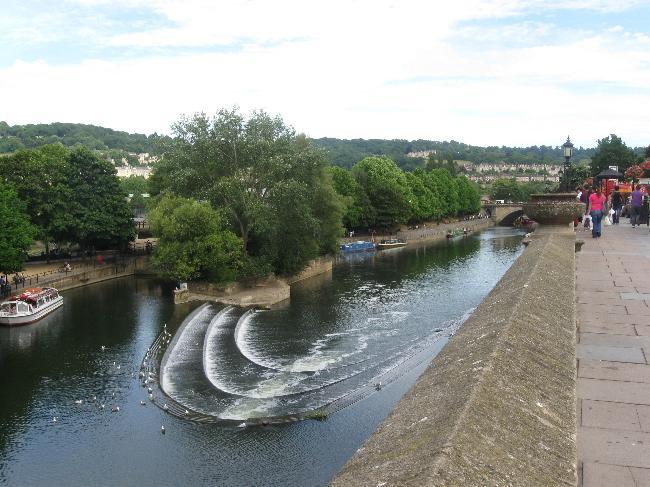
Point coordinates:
[[503, 213]]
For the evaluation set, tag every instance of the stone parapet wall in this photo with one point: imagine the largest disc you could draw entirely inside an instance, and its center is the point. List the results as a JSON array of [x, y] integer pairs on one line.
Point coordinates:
[[99, 274], [497, 406]]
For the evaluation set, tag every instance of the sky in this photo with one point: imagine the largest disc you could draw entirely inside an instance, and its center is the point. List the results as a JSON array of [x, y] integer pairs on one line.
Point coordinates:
[[483, 72]]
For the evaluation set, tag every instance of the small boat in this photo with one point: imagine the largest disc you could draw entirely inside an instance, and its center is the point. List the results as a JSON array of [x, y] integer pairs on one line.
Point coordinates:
[[31, 305], [391, 243], [456, 232], [359, 246]]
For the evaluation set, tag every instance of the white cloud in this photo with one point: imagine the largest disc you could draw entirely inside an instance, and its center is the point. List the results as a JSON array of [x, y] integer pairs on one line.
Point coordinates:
[[343, 69]]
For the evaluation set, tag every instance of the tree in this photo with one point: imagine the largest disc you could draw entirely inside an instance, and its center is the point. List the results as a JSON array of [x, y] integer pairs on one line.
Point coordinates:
[[17, 231], [577, 174], [508, 190], [446, 189], [469, 197], [359, 212], [646, 153], [98, 214], [611, 151], [194, 242], [40, 178], [253, 168], [387, 189]]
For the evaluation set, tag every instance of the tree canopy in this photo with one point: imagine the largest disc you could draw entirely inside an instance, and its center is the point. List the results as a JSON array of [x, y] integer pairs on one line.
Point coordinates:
[[194, 241], [70, 196], [271, 184], [17, 231], [31, 136], [611, 151]]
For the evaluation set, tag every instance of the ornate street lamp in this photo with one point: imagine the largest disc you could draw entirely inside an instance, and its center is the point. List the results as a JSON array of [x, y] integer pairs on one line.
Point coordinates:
[[568, 152]]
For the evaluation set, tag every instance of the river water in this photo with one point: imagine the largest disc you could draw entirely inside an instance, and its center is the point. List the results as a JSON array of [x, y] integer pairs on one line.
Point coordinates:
[[376, 319]]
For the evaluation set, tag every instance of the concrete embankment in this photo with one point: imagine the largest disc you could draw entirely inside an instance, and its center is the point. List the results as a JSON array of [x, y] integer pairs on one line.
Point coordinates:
[[434, 231], [497, 406], [264, 293]]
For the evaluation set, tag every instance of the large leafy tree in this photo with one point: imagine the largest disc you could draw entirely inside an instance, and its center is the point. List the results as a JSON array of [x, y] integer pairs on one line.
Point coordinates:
[[98, 214], [611, 151], [40, 179], [468, 196], [387, 188], [194, 241], [359, 212], [253, 168], [17, 231], [508, 190]]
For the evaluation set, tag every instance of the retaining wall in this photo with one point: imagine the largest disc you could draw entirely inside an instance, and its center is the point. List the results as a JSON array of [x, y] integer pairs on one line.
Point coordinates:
[[497, 406], [98, 274]]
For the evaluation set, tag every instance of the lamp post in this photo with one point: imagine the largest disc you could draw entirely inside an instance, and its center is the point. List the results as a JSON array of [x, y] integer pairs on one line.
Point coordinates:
[[568, 152]]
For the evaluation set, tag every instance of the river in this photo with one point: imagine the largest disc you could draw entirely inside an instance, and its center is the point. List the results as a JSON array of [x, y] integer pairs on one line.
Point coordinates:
[[349, 343]]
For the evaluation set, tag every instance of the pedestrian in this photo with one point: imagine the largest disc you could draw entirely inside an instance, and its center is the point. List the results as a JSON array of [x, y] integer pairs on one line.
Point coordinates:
[[584, 196], [636, 203], [597, 204], [616, 203]]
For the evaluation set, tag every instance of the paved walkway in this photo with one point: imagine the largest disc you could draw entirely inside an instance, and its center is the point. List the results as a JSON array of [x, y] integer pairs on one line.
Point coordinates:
[[613, 350]]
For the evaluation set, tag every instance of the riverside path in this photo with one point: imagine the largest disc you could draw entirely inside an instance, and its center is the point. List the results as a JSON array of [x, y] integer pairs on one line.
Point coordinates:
[[613, 352]]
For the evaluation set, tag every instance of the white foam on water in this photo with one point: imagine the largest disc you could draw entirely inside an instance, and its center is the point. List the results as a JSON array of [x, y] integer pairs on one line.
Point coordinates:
[[243, 342], [246, 408], [181, 347]]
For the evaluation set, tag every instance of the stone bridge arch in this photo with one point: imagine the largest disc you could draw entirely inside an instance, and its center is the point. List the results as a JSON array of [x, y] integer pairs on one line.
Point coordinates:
[[504, 214]]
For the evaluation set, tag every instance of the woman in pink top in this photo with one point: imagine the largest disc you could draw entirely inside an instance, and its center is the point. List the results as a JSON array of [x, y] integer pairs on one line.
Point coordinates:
[[597, 202]]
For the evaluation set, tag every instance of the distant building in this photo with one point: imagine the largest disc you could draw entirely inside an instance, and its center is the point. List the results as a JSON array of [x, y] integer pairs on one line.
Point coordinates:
[[126, 171]]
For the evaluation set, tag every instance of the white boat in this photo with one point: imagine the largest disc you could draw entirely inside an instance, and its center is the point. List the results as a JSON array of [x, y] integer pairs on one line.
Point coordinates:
[[31, 305]]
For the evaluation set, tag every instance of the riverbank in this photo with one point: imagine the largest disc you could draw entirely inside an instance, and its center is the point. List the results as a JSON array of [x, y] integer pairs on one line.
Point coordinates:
[[273, 290], [497, 405]]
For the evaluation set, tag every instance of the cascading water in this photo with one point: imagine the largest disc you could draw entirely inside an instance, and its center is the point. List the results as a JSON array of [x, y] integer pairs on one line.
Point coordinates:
[[372, 324]]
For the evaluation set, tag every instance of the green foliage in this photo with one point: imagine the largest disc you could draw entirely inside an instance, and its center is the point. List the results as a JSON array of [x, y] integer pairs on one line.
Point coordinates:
[[611, 151], [469, 198], [31, 136], [193, 242], [508, 190], [511, 190], [387, 188], [97, 213], [359, 212], [17, 232], [134, 185], [346, 153], [427, 195], [577, 174], [40, 179], [646, 152], [270, 182]]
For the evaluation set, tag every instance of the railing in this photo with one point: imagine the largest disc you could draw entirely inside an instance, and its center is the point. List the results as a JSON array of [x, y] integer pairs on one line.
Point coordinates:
[[117, 261]]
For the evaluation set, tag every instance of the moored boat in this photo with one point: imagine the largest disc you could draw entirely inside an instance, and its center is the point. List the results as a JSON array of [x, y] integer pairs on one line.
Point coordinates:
[[359, 246], [456, 232], [391, 243], [29, 306]]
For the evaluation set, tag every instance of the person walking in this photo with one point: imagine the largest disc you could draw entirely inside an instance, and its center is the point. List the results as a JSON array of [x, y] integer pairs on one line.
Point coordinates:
[[636, 202], [597, 203], [616, 203]]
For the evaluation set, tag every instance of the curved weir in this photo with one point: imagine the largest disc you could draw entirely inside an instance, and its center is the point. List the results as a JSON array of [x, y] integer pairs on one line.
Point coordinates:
[[368, 331]]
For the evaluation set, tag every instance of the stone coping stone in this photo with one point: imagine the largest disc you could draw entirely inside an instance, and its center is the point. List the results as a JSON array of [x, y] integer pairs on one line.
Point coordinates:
[[497, 406]]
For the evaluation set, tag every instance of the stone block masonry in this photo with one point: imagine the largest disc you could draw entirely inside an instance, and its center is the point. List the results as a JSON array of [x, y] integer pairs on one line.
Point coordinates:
[[497, 406]]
